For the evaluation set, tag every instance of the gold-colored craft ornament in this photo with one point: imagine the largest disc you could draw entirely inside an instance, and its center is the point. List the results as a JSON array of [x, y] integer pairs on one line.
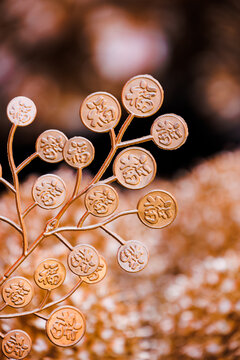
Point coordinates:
[[65, 326], [133, 167], [16, 344], [50, 274]]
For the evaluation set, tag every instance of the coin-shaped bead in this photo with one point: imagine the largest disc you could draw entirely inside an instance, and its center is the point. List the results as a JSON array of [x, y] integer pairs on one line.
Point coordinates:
[[157, 209], [50, 144], [142, 96], [16, 344], [100, 112], [134, 168], [133, 256], [169, 131], [78, 152], [50, 274], [98, 274], [101, 200], [83, 260], [17, 292], [65, 326], [21, 111], [49, 191]]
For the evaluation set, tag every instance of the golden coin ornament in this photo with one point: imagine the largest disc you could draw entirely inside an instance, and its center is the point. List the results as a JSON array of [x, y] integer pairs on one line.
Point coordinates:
[[98, 274], [135, 168], [169, 131], [101, 200], [133, 256], [21, 111], [66, 326], [78, 152], [16, 344], [157, 209], [142, 96], [17, 292], [50, 144], [83, 260], [49, 191], [50, 274], [100, 112]]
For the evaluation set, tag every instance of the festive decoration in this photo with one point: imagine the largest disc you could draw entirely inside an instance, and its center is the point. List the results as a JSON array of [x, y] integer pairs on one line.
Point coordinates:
[[134, 168]]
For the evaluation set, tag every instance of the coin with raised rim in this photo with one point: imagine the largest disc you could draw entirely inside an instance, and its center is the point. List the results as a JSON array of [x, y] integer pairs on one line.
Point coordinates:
[[50, 144], [157, 209], [133, 256], [142, 95], [21, 111], [135, 168], [66, 326], [78, 152], [83, 260], [100, 112], [50, 274], [169, 131], [16, 344], [49, 191], [99, 274], [101, 200], [17, 292]]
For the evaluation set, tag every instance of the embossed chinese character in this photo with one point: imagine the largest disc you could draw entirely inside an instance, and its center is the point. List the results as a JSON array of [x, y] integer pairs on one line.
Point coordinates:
[[133, 256], [168, 131], [50, 274], [47, 192], [155, 208], [78, 152], [16, 344], [17, 292], [133, 167], [140, 96], [21, 111], [65, 326], [83, 260], [100, 113]]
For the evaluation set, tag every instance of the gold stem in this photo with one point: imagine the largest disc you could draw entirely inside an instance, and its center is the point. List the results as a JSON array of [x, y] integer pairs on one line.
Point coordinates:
[[29, 208], [26, 162], [114, 235], [7, 184], [16, 186], [135, 141], [64, 241], [12, 223], [83, 218]]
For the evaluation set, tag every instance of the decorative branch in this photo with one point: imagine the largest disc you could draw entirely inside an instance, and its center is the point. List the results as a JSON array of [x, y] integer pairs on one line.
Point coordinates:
[[26, 162], [7, 184], [114, 235], [12, 223]]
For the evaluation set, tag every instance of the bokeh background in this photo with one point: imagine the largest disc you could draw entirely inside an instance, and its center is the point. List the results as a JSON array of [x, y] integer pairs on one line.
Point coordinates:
[[185, 304], [57, 52]]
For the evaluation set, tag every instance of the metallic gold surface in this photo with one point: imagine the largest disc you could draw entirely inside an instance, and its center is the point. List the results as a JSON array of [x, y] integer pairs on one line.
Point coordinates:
[[78, 152], [50, 274], [17, 292], [50, 144], [133, 256], [157, 209], [16, 344], [101, 200], [21, 111], [65, 326], [83, 260], [99, 274], [100, 112]]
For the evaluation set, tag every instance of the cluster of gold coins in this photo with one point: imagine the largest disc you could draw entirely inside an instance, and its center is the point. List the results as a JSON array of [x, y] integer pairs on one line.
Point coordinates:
[[134, 168]]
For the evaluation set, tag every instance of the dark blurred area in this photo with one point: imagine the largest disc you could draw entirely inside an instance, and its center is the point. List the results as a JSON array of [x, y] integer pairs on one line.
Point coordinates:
[[57, 52]]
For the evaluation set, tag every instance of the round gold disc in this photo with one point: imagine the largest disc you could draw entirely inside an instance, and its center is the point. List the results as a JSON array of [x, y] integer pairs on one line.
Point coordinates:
[[100, 112], [133, 256], [49, 191], [50, 274], [78, 152], [142, 95], [98, 274], [134, 168], [50, 144], [101, 200], [16, 344], [83, 260], [157, 209], [21, 111], [169, 131], [17, 292], [65, 326]]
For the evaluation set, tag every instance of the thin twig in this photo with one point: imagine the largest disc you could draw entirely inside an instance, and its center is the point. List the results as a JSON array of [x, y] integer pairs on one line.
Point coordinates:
[[26, 162], [7, 184], [53, 303], [114, 235], [29, 208], [2, 307], [83, 218], [16, 186], [91, 227], [12, 223], [64, 241], [135, 141]]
